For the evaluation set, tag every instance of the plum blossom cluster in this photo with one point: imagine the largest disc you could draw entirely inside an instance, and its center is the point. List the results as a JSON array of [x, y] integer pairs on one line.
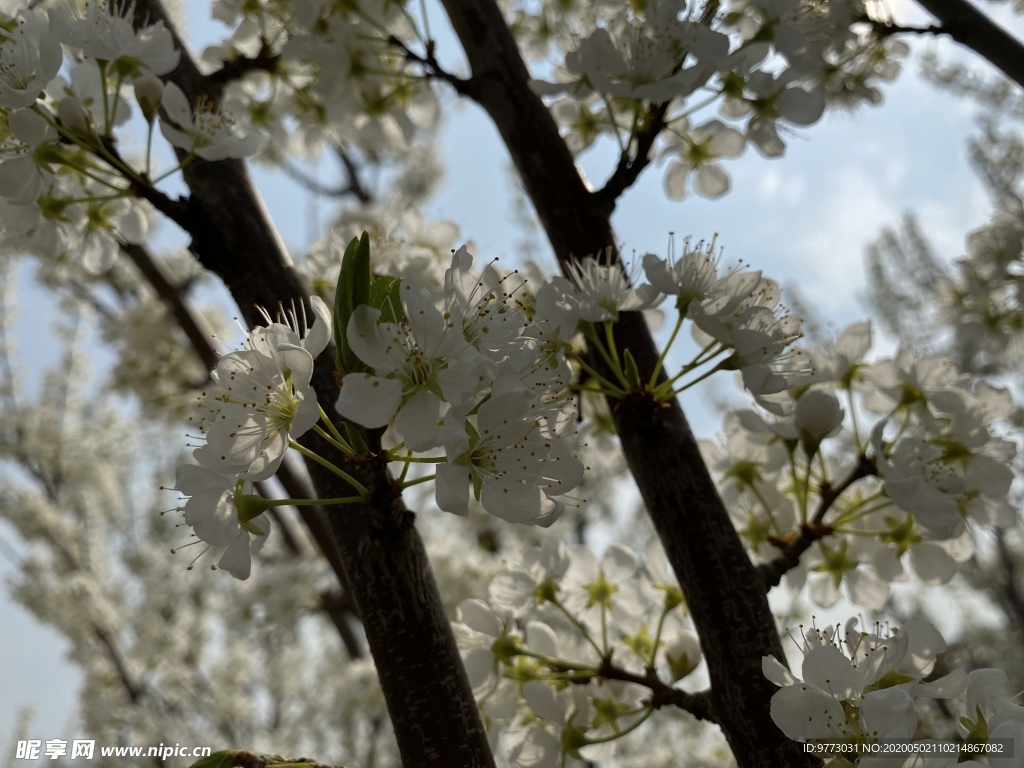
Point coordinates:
[[837, 501], [336, 72], [65, 189], [259, 399], [568, 650], [736, 313], [736, 319], [474, 370], [482, 366], [860, 688], [767, 62]]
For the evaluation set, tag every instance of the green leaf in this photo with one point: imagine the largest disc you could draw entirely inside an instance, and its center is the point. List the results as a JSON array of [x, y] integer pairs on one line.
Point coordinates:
[[632, 372], [353, 290], [356, 439], [385, 296], [223, 759]]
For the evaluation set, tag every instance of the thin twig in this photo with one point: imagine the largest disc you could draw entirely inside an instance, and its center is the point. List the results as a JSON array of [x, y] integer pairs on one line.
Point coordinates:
[[662, 694], [631, 166], [175, 302], [815, 529], [239, 67], [432, 68]]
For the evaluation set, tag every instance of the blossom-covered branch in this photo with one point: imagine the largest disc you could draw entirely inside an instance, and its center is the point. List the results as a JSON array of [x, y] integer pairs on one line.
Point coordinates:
[[721, 585], [418, 662], [815, 528]]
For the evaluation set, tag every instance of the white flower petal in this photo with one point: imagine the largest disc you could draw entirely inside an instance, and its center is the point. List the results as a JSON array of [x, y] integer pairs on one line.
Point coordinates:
[[369, 400]]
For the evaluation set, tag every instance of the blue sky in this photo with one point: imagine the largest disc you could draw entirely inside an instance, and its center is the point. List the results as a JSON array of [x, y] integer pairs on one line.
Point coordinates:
[[804, 219]]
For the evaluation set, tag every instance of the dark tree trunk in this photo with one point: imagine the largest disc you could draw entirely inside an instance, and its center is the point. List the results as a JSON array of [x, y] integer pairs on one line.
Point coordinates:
[[431, 704], [724, 592]]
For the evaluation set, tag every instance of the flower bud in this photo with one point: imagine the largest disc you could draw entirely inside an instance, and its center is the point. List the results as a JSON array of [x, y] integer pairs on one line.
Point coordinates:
[[72, 115], [816, 416], [683, 655], [149, 91]]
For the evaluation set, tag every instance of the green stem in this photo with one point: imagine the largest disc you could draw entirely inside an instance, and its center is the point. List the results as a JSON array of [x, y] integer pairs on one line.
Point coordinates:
[[698, 380], [579, 626], [330, 426], [189, 158], [699, 105], [604, 629], [417, 481], [805, 493], [325, 463], [710, 352], [341, 444], [794, 472], [343, 447], [701, 358], [403, 475], [312, 502], [560, 664], [106, 101], [863, 511], [609, 336], [418, 459], [657, 636], [619, 734], [853, 419], [606, 386], [664, 352], [149, 148], [117, 95], [611, 119], [767, 507], [592, 342]]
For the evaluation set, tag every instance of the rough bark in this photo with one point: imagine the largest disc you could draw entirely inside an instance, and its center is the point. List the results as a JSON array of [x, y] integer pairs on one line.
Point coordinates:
[[428, 695], [724, 592]]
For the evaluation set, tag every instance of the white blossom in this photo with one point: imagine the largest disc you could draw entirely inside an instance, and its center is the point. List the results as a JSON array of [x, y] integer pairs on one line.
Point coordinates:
[[208, 132], [515, 465], [105, 32], [30, 58], [214, 511], [261, 397]]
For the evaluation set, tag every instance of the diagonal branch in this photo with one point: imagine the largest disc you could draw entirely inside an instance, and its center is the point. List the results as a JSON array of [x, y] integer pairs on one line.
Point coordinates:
[[631, 166], [382, 554], [722, 587], [353, 185], [973, 29], [175, 302]]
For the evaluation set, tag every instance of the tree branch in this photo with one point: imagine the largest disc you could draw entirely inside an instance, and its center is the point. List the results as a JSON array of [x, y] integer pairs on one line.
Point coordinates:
[[388, 570], [131, 687], [175, 303], [429, 64], [722, 587], [973, 29], [630, 167], [355, 182], [662, 694], [353, 186], [815, 529], [240, 66]]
